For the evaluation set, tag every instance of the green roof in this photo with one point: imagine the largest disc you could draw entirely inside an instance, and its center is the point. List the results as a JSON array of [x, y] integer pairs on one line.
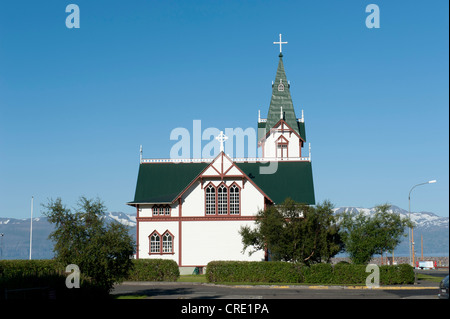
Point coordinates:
[[281, 97], [291, 179], [163, 182]]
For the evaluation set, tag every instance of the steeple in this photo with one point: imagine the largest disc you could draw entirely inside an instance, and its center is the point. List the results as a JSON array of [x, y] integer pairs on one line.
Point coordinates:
[[281, 101]]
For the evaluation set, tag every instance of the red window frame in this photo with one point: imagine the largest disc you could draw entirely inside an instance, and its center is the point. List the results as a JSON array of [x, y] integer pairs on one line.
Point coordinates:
[[161, 240], [207, 197], [161, 211]]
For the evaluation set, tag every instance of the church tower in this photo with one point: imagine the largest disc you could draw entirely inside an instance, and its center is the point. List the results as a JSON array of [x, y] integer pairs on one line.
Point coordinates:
[[281, 135]]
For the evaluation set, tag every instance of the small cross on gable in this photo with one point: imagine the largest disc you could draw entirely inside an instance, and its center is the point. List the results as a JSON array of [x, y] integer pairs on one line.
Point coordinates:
[[221, 138]]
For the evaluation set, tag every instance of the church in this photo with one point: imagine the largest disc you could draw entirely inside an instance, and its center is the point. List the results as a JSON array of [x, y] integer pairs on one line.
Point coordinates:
[[191, 210]]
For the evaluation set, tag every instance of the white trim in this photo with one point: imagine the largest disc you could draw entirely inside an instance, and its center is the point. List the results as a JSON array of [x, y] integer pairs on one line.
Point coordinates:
[[235, 159]]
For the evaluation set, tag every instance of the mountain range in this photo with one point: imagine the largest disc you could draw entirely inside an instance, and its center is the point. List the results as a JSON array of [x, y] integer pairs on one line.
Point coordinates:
[[15, 242]]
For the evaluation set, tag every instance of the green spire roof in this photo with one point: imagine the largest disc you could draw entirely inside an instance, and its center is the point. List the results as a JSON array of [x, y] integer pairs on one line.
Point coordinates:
[[281, 98]]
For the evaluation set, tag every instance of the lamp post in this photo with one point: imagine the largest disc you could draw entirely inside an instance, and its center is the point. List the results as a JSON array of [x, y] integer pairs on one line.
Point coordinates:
[[411, 230], [1, 245]]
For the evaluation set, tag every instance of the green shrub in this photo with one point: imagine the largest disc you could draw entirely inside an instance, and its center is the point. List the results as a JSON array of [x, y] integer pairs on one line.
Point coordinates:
[[319, 274], [254, 271], [349, 274], [285, 272], [16, 274], [396, 275], [154, 270], [43, 279]]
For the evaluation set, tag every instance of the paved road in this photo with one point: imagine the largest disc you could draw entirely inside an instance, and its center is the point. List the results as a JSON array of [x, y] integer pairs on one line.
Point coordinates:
[[170, 290]]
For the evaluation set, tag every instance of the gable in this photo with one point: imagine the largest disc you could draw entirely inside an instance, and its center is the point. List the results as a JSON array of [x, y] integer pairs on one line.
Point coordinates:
[[221, 167], [285, 127]]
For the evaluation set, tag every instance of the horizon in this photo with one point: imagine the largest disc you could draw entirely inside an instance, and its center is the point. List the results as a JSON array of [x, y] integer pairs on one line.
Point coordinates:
[[77, 103], [335, 208]]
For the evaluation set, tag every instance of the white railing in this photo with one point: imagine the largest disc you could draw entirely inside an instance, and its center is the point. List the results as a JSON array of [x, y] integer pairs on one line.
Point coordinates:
[[236, 159]]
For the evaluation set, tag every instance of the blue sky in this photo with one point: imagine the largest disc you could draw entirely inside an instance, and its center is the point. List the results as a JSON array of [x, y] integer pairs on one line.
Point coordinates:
[[75, 104]]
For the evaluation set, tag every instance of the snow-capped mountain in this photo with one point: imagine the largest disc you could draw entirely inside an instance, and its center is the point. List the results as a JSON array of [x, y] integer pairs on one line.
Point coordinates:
[[423, 220], [124, 219], [15, 242]]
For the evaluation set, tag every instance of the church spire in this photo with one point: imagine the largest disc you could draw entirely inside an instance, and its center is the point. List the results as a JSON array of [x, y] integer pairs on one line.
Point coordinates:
[[281, 100]]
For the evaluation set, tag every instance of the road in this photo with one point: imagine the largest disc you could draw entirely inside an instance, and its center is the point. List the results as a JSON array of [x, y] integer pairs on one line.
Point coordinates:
[[174, 290]]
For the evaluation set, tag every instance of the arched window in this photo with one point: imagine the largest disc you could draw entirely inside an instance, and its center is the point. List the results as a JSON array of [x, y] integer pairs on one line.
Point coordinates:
[[167, 243], [222, 200], [281, 86], [282, 147], [234, 200], [155, 243], [210, 200]]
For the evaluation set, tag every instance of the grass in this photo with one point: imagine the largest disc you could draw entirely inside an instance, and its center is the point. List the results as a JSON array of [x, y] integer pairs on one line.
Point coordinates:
[[123, 297], [192, 278], [429, 278], [202, 279]]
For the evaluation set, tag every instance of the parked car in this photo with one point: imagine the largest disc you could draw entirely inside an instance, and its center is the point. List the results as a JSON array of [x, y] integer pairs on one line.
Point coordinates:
[[443, 288]]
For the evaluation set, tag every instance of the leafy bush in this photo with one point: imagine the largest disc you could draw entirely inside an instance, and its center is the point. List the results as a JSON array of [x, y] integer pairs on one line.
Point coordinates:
[[43, 279], [285, 272], [319, 274], [83, 237], [154, 270], [396, 275], [349, 274], [254, 271], [15, 274]]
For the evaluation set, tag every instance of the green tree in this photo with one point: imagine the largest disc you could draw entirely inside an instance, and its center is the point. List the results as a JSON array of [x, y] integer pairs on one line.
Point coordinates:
[[365, 235], [294, 232], [101, 250]]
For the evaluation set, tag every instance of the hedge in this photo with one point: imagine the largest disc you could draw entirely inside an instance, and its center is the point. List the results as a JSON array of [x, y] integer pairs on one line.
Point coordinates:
[[154, 270], [50, 275], [253, 271], [283, 272], [42, 279], [16, 274]]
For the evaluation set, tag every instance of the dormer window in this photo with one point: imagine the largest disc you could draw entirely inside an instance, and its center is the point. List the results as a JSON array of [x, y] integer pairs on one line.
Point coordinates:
[[161, 210], [282, 147], [281, 86]]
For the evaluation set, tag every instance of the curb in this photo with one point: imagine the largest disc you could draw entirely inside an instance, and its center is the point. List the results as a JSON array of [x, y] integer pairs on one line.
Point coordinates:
[[318, 287]]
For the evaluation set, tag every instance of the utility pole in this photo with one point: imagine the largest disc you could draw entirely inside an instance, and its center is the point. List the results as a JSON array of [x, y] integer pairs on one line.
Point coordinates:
[[421, 245], [1, 245], [31, 226]]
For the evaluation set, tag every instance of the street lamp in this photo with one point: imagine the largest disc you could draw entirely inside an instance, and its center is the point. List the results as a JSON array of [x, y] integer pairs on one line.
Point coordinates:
[[411, 230], [1, 245]]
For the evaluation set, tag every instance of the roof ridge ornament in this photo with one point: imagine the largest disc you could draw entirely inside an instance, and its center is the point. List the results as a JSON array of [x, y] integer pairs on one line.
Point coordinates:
[[221, 138], [280, 43]]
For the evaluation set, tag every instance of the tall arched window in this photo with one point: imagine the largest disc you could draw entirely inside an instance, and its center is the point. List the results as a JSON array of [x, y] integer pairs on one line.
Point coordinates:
[[155, 243], [210, 200], [222, 200], [234, 200], [167, 243]]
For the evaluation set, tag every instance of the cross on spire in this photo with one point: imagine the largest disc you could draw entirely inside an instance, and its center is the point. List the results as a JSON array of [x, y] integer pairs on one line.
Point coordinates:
[[280, 43], [221, 138]]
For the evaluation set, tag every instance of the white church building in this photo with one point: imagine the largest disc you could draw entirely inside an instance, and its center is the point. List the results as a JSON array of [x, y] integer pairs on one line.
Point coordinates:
[[191, 210]]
